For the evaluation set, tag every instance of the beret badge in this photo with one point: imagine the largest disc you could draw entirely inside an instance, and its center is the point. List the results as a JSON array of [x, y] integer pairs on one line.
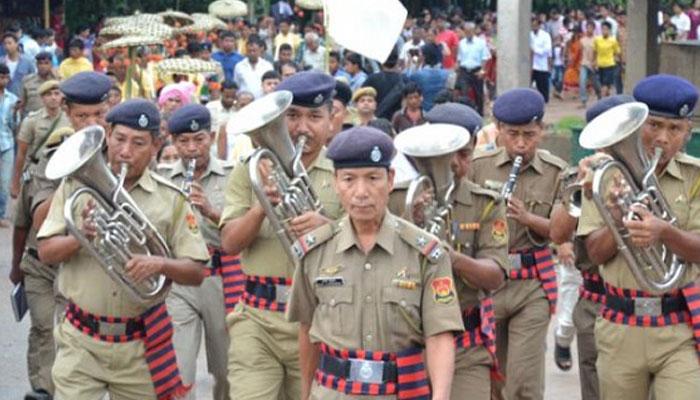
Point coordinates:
[[143, 121], [194, 125], [318, 99], [375, 155], [683, 112]]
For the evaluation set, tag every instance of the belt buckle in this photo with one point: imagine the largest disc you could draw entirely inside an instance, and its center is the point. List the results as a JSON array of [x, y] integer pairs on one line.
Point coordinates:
[[112, 328], [282, 293], [647, 306], [366, 371], [516, 260]]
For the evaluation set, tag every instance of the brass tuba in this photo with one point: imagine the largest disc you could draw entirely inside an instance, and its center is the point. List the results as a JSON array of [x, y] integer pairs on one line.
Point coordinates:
[[629, 179], [263, 120], [429, 197], [123, 230]]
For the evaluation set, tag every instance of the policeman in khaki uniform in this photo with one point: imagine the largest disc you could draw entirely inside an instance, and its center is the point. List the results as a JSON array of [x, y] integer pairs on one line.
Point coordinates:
[[664, 345], [200, 308], [264, 351], [524, 305], [31, 95], [43, 300], [562, 228], [35, 130], [107, 341], [373, 289], [84, 96], [479, 257]]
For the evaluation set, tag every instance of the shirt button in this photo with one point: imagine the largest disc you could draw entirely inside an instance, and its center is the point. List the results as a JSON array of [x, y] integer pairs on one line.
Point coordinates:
[[403, 303], [368, 299], [369, 337], [332, 302], [368, 266], [114, 294]]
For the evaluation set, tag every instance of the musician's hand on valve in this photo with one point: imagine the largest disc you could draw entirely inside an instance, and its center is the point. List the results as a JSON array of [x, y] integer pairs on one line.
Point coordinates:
[[88, 227], [307, 222], [517, 211], [142, 267], [647, 230], [269, 187]]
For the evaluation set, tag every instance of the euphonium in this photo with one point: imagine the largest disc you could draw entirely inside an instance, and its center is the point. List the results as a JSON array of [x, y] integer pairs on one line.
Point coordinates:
[[429, 197], [123, 230], [629, 179], [263, 120]]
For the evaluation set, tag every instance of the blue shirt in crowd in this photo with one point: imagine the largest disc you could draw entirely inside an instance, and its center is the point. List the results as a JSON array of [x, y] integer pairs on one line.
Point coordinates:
[[228, 62], [431, 80]]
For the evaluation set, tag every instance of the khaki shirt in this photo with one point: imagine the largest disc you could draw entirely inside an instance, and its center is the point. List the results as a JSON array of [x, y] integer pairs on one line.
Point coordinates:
[[537, 186], [30, 91], [390, 299], [213, 181], [36, 128], [265, 255], [676, 183], [481, 233], [81, 278]]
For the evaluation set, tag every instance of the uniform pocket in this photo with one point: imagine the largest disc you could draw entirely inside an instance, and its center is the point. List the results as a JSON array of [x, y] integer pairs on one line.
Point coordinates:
[[402, 310], [335, 304]]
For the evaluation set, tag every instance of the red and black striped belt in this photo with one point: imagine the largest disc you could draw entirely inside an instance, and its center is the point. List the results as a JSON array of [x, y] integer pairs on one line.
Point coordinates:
[[233, 279], [592, 288], [374, 373], [638, 308], [267, 293], [154, 327], [537, 263], [480, 329]]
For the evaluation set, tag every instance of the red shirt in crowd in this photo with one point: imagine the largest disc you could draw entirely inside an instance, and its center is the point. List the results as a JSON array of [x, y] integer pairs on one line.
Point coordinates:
[[451, 40]]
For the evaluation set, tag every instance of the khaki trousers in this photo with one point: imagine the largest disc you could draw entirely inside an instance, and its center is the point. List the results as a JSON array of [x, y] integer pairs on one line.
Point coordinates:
[[87, 369], [263, 356], [521, 331], [630, 358], [197, 310], [585, 314]]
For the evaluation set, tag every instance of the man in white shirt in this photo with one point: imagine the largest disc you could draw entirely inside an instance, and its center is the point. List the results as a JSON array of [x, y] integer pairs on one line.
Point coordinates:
[[221, 110], [606, 17], [412, 48], [681, 21], [314, 55], [248, 73], [541, 49], [472, 54]]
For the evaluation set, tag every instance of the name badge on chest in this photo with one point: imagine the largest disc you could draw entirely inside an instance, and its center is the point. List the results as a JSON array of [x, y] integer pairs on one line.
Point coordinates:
[[329, 281]]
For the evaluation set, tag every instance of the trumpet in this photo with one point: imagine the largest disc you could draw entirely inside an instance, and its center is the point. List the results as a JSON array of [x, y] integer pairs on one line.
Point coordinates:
[[123, 230], [429, 197], [628, 179], [263, 121], [572, 192]]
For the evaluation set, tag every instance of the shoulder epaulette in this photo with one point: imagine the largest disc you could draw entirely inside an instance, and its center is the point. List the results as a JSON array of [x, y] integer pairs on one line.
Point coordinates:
[[480, 190], [428, 245], [313, 239], [486, 153], [550, 158], [685, 158], [166, 182]]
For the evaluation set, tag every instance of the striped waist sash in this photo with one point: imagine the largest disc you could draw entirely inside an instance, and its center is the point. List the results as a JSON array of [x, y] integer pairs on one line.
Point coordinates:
[[374, 373], [537, 264], [154, 327]]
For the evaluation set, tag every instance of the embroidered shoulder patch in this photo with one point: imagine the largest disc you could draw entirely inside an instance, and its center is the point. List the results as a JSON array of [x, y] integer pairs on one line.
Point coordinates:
[[499, 230], [192, 223], [443, 290]]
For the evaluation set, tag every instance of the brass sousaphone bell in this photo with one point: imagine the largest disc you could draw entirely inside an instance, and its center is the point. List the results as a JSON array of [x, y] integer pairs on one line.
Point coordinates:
[[429, 196]]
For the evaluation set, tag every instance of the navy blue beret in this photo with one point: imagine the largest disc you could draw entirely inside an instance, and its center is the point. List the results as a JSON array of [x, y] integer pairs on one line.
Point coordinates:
[[137, 114], [310, 88], [86, 87], [189, 119], [667, 95], [456, 114], [605, 104], [343, 92], [361, 147], [519, 106]]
